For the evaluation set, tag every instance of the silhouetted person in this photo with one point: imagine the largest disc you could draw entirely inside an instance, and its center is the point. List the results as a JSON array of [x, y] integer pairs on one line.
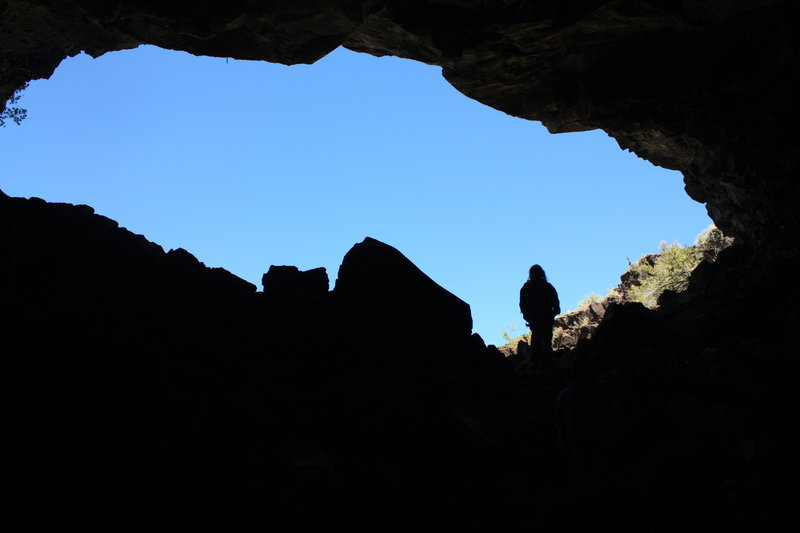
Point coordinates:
[[538, 302]]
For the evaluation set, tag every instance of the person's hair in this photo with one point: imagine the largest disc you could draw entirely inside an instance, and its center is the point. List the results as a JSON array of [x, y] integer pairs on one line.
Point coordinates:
[[537, 272]]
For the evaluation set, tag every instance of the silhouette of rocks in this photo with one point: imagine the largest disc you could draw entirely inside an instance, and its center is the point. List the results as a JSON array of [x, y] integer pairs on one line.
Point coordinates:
[[291, 281], [393, 306], [162, 377], [691, 392], [582, 323]]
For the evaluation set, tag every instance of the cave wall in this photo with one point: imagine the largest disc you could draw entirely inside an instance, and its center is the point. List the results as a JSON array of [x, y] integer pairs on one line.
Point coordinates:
[[705, 87]]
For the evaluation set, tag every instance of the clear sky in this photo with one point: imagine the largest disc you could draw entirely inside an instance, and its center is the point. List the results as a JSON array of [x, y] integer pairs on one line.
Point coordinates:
[[249, 164]]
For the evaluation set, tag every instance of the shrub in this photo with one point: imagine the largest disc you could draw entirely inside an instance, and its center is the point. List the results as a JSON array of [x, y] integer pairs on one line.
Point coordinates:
[[12, 112], [711, 242], [513, 341], [670, 271]]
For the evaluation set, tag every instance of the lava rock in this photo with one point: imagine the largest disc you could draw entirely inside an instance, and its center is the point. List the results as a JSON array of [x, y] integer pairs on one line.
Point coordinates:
[[291, 281], [390, 302]]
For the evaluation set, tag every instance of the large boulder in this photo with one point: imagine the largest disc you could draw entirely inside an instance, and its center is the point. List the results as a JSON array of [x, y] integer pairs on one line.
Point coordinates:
[[287, 281], [384, 299]]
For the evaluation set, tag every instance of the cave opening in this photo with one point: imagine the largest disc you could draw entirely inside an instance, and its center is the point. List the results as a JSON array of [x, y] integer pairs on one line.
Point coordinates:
[[247, 164], [142, 382]]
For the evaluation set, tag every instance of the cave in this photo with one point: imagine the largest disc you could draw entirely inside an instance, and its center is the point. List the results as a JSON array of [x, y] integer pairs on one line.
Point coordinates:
[[145, 385]]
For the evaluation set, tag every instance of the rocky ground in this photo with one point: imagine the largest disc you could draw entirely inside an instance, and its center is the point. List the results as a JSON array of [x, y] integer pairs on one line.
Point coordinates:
[[144, 386]]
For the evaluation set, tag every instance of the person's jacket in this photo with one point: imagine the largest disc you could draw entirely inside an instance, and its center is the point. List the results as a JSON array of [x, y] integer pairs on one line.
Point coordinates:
[[538, 301]]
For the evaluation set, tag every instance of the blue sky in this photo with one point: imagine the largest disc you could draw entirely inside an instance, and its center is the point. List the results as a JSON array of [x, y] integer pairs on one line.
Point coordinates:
[[249, 164]]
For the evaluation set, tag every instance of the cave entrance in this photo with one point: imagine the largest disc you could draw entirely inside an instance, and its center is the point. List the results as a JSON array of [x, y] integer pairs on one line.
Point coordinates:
[[247, 164]]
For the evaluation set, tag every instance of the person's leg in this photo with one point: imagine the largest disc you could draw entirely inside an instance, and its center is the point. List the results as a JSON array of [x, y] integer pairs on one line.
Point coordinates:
[[541, 343], [538, 334], [547, 337]]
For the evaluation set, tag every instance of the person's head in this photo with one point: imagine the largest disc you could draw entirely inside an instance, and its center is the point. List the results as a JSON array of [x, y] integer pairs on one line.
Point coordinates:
[[536, 272]]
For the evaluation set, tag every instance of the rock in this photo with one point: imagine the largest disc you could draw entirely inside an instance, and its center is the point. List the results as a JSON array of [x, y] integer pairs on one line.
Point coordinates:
[[629, 323], [161, 376], [598, 310], [394, 308], [290, 281], [566, 341], [293, 297], [196, 277]]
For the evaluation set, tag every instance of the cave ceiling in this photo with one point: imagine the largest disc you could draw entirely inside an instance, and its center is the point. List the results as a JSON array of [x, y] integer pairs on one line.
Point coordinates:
[[702, 86]]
